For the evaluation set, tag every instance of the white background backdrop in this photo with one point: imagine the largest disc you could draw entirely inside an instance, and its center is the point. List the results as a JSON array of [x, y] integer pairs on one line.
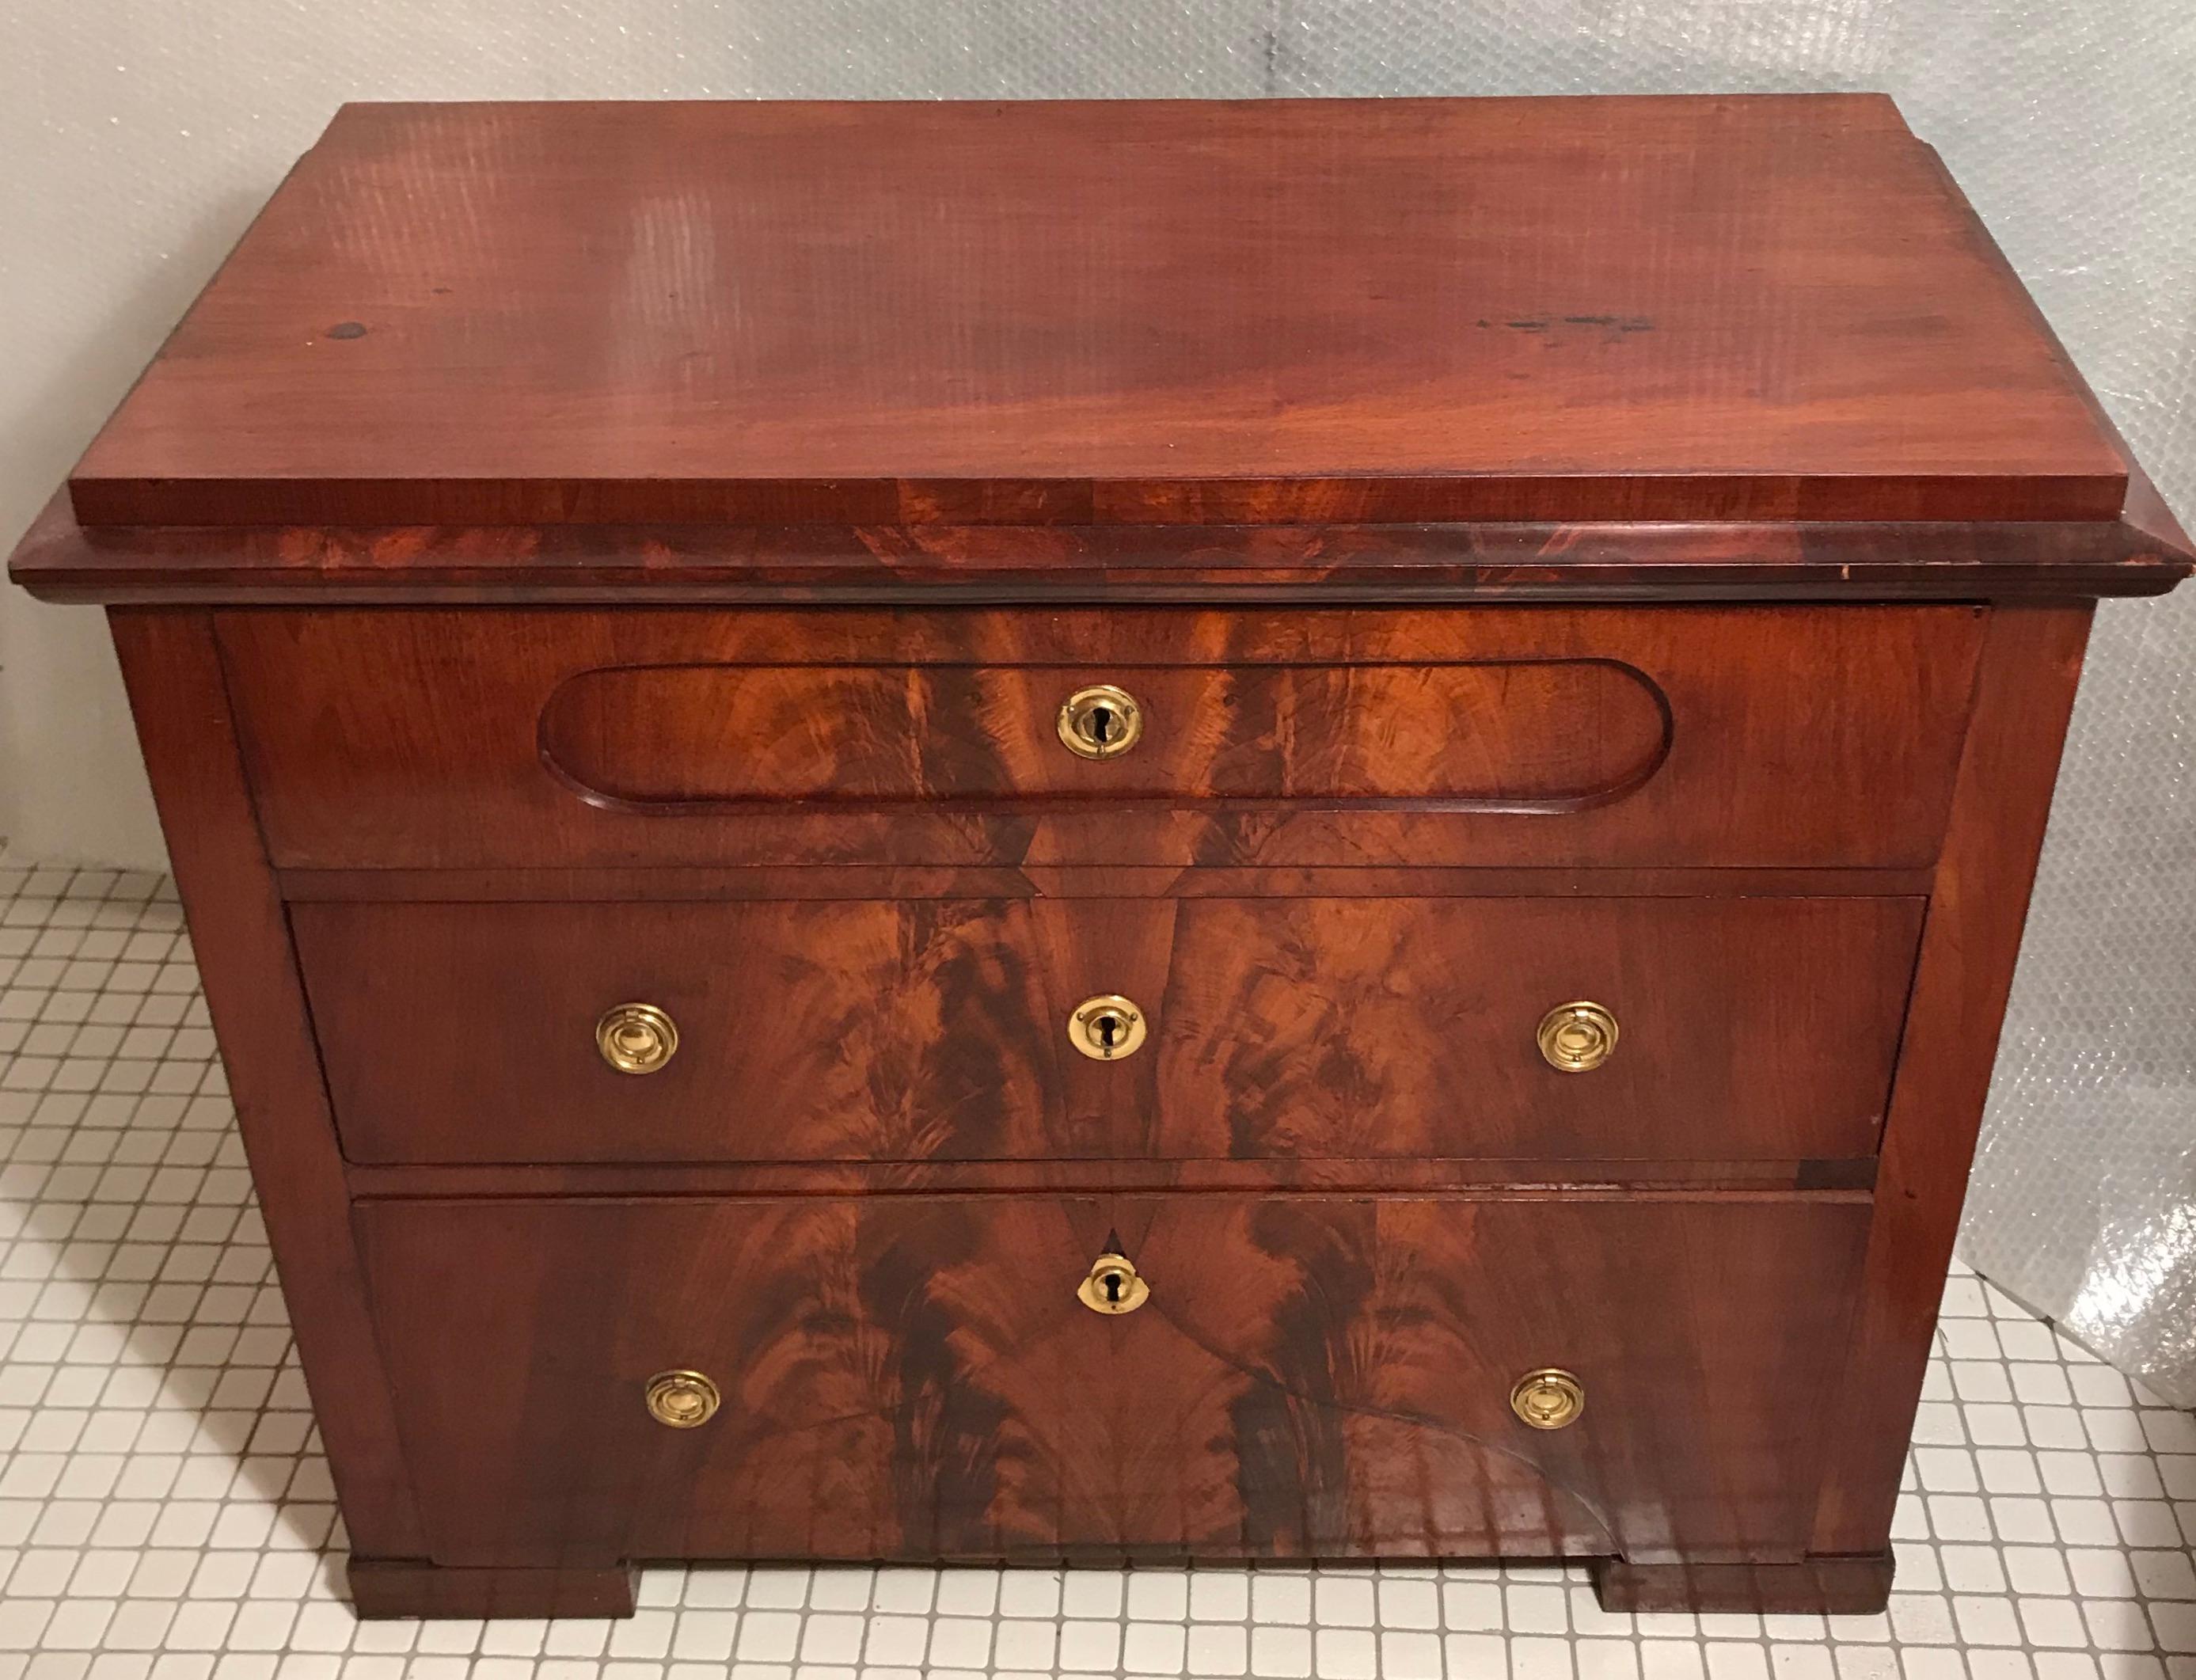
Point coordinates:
[[138, 136]]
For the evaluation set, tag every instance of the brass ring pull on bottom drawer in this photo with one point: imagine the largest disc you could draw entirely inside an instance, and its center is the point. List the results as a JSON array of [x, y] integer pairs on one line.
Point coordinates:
[[682, 1399], [1548, 1398]]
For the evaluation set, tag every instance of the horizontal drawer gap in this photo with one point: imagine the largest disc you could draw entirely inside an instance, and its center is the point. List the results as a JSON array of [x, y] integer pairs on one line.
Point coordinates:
[[1091, 880], [1832, 1181]]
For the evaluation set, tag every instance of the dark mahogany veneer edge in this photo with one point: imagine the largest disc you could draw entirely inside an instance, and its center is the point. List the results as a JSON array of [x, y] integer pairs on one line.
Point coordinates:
[[2144, 552]]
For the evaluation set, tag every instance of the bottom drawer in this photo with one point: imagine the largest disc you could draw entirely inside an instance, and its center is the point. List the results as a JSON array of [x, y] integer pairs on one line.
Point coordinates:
[[1310, 1375]]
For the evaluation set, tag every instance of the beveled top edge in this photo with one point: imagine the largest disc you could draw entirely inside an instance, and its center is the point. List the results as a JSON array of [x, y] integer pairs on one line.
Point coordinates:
[[2144, 553]]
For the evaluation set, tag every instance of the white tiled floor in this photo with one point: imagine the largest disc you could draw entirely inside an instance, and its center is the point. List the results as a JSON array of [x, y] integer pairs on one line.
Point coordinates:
[[164, 1509]]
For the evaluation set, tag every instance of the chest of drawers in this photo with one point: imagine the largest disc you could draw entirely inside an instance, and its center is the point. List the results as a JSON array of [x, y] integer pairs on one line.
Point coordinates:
[[1152, 831]]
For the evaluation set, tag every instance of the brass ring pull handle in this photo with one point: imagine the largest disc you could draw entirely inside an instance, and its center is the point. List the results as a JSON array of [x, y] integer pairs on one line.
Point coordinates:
[[1113, 1286], [1100, 722], [1548, 1398], [1106, 1027], [1577, 1037], [682, 1399], [636, 1037]]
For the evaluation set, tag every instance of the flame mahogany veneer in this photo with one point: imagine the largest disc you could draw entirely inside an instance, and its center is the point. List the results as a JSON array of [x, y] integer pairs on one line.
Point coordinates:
[[1633, 553]]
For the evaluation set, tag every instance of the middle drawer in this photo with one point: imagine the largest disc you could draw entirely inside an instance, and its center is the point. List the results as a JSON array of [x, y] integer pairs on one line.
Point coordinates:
[[1147, 1029]]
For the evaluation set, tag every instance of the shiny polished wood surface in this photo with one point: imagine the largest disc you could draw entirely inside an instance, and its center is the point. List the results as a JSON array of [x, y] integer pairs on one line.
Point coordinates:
[[2031, 665], [1291, 1029], [1204, 311], [581, 555], [1521, 735], [1795, 737], [1312, 1376], [2144, 552], [240, 945]]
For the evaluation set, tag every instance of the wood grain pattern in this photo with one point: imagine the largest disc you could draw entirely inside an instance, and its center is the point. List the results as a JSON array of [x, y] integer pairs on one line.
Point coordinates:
[[1313, 1377], [1798, 738], [637, 553], [1538, 735], [1280, 1028], [2142, 553], [1207, 311], [1392, 1027], [2032, 664], [258, 1005], [868, 1030]]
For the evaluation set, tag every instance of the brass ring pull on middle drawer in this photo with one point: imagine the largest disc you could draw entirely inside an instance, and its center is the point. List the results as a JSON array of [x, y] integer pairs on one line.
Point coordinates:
[[636, 1037], [1577, 1037]]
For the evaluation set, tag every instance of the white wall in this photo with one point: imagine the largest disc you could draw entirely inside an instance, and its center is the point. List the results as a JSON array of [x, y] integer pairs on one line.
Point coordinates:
[[137, 136]]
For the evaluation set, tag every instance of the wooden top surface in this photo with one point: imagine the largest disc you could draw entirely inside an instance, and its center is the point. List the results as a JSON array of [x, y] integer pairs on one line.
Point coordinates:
[[1290, 312]]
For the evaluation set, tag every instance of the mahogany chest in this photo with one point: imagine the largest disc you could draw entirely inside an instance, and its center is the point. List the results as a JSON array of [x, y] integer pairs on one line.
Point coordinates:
[[1092, 831]]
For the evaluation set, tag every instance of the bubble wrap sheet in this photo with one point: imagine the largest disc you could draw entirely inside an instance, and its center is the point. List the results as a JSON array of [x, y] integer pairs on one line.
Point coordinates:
[[140, 135]]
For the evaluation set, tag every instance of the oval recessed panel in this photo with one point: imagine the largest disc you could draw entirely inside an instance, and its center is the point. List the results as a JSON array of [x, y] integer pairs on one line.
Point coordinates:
[[1525, 735]]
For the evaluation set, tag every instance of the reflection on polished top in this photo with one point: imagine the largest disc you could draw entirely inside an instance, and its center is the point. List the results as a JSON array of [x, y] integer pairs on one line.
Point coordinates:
[[771, 866], [1745, 307]]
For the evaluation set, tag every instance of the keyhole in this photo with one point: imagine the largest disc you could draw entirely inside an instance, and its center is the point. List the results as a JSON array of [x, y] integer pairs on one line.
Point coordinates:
[[1113, 1287], [1100, 722], [1106, 1027]]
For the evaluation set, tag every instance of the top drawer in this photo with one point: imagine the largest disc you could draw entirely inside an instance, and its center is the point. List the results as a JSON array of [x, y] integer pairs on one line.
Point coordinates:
[[1771, 736]]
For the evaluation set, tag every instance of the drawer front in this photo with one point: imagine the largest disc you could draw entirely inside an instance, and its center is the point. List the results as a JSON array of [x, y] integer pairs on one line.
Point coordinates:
[[1551, 734], [908, 1378], [1769, 736], [1273, 1027]]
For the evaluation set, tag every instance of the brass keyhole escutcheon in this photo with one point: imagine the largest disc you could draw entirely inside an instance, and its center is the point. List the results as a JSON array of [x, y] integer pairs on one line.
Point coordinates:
[[1577, 1037], [682, 1399], [1100, 722], [1107, 1028], [1113, 1285], [636, 1037], [1548, 1398]]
